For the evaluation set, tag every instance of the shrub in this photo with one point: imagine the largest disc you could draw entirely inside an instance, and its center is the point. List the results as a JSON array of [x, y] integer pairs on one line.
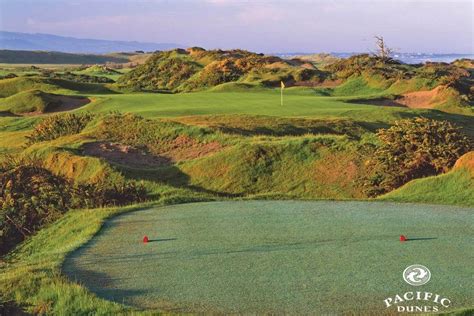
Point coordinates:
[[414, 148], [56, 126], [31, 197]]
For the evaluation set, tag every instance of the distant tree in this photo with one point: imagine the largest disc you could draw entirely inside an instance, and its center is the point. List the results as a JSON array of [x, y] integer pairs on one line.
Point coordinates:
[[383, 51]]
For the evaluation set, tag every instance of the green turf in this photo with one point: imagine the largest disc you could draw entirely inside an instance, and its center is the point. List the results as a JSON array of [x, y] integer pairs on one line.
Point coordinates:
[[297, 103], [454, 187], [277, 256], [29, 101]]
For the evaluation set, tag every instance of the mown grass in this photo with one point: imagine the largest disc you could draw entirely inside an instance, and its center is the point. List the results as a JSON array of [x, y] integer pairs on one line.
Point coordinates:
[[253, 103], [276, 256], [32, 274]]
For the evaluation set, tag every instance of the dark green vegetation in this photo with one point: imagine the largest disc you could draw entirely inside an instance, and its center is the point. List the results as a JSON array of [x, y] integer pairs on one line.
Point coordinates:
[[311, 256], [414, 149], [232, 140]]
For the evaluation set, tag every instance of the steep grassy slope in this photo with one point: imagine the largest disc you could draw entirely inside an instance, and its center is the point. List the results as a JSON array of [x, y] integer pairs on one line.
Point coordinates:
[[306, 167], [29, 101], [455, 187], [9, 87], [37, 101]]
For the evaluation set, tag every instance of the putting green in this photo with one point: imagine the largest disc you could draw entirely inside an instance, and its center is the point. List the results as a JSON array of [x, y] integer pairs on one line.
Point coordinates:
[[277, 256]]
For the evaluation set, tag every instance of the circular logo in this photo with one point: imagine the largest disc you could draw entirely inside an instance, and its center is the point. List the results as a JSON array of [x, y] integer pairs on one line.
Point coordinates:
[[416, 275]]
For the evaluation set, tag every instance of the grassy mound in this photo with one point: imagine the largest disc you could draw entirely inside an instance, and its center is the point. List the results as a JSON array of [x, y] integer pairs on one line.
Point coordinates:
[[100, 70], [455, 187], [275, 256], [310, 167], [9, 87], [198, 69], [59, 85], [30, 101], [446, 87], [38, 102]]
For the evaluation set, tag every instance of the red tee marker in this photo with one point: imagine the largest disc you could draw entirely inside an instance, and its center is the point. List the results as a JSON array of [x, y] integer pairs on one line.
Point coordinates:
[[145, 239], [403, 238]]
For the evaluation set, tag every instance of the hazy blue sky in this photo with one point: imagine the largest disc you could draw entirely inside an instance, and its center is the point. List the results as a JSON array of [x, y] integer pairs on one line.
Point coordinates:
[[259, 25]]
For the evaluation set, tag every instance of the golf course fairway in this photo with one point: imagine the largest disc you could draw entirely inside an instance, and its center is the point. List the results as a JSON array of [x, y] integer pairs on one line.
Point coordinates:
[[277, 256]]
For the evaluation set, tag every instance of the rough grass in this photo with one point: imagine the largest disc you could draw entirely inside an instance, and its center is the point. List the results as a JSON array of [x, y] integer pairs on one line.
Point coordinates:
[[249, 125], [455, 187], [276, 256], [32, 277], [307, 167]]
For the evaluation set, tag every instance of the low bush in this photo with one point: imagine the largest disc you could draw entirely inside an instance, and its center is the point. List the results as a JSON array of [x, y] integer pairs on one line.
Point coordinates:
[[56, 126], [32, 197], [414, 148]]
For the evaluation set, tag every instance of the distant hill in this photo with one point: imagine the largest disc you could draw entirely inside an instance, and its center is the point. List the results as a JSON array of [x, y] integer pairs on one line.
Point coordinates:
[[48, 42], [43, 57], [195, 69]]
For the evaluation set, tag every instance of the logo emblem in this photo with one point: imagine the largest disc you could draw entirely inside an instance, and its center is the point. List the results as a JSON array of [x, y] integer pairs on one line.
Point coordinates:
[[416, 275]]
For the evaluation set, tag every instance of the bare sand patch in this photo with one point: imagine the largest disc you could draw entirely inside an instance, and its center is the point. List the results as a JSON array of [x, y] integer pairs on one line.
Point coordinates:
[[425, 99], [68, 103], [123, 154], [180, 149], [466, 161], [186, 148]]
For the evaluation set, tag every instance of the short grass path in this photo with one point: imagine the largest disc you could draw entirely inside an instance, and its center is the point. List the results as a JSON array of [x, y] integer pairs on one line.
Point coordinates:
[[277, 256]]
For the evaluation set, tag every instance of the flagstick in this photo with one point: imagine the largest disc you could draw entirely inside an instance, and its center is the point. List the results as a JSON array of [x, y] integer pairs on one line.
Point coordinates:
[[281, 97]]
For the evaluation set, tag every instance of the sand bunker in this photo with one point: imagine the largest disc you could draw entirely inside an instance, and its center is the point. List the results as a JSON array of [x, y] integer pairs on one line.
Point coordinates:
[[68, 103], [186, 148], [419, 99], [415, 100], [62, 103], [466, 161], [182, 148]]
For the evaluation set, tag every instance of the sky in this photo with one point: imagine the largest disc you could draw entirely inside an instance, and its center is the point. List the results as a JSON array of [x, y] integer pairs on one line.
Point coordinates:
[[436, 26]]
